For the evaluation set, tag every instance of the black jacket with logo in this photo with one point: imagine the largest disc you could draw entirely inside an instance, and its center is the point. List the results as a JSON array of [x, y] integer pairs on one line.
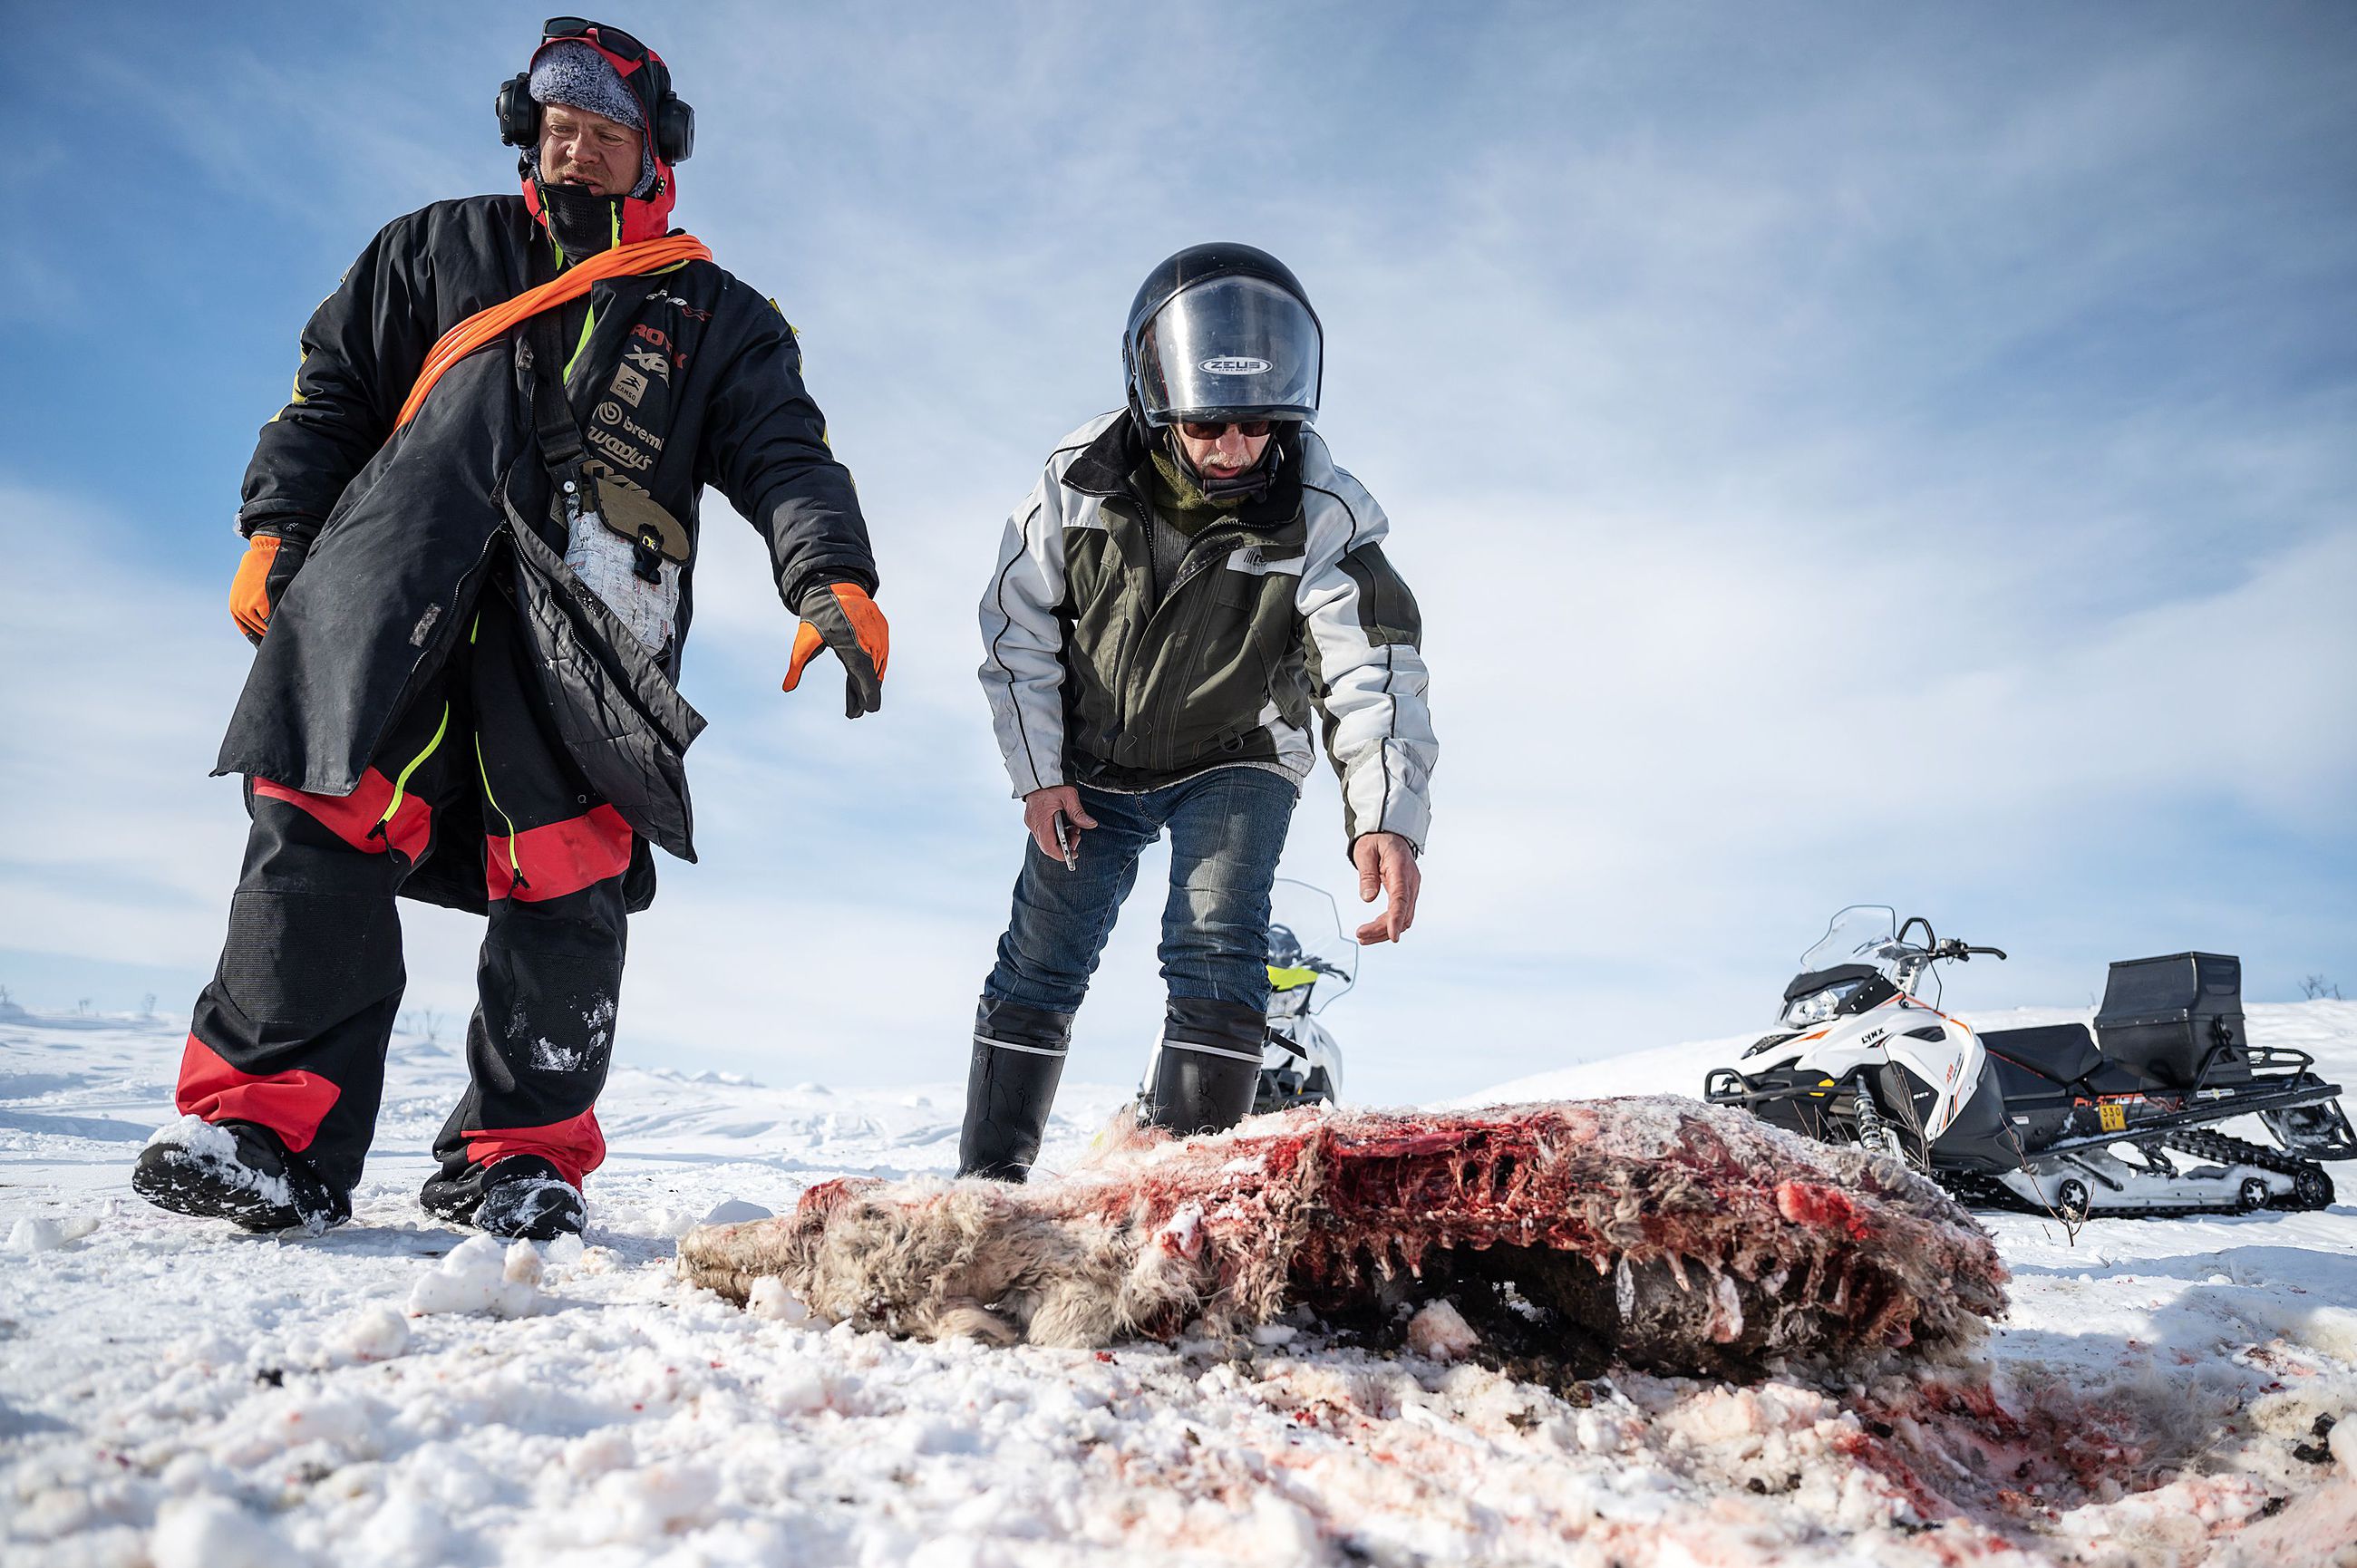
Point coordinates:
[[677, 379]]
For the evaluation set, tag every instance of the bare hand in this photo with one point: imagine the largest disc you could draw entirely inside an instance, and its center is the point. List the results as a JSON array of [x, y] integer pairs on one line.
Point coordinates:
[[1040, 809], [1387, 865]]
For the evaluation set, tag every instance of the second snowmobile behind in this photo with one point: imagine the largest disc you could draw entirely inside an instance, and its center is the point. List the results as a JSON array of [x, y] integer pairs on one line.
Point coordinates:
[[2122, 1118], [1310, 962], [1301, 1063]]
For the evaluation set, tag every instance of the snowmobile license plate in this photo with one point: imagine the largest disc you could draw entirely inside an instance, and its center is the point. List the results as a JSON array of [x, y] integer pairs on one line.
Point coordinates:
[[2113, 1118]]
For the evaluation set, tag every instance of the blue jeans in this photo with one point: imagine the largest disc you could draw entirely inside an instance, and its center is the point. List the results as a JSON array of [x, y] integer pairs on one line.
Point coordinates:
[[1227, 829]]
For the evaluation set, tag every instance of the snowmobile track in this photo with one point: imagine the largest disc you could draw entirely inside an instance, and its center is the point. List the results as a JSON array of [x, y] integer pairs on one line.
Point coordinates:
[[2205, 1144], [1978, 1191]]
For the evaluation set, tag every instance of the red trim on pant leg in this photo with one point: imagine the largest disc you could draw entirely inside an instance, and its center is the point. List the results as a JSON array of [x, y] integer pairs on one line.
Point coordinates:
[[353, 818], [575, 1146], [563, 857], [291, 1104]]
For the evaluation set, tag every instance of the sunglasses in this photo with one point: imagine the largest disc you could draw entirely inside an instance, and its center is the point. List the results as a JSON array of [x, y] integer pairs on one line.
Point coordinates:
[[1212, 430]]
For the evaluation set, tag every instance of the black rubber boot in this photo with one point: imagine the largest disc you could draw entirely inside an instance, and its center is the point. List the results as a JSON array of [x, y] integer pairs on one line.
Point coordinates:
[[1207, 1068], [524, 1195], [238, 1172], [1010, 1086], [521, 1196]]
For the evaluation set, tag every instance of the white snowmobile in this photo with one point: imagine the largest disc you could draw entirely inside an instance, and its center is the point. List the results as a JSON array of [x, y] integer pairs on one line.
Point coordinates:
[[1300, 1062], [2116, 1120]]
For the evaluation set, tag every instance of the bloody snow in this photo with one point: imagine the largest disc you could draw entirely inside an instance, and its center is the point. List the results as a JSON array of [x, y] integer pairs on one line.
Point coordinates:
[[396, 1392]]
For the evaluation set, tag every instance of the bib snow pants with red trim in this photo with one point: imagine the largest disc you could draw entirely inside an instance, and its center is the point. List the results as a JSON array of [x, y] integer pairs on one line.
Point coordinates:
[[292, 1032]]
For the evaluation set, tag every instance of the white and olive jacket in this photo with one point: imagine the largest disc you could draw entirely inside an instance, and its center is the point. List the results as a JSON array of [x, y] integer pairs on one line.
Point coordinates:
[[1098, 675]]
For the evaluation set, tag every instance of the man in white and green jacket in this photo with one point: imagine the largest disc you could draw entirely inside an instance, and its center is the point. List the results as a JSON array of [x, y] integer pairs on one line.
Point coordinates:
[[1190, 577]]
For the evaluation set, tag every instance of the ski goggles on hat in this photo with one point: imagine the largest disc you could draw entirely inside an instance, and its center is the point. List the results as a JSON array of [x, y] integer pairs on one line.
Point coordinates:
[[1213, 429], [613, 41]]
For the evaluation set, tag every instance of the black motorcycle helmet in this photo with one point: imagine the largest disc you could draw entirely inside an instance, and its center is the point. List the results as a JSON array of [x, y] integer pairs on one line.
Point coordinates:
[[1222, 331]]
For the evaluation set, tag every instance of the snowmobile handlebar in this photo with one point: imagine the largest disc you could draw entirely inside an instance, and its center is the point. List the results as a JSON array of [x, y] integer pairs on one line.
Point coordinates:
[[1955, 949]]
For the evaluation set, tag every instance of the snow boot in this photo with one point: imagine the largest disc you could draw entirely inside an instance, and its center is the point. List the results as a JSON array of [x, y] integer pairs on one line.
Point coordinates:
[[524, 1196], [236, 1171], [1207, 1067], [1010, 1086], [521, 1196]]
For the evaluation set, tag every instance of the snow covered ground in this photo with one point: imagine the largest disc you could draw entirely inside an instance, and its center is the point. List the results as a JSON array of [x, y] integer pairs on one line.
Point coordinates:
[[175, 1392]]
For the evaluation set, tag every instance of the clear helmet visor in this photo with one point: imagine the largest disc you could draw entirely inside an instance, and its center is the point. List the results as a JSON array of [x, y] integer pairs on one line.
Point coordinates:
[[1235, 348]]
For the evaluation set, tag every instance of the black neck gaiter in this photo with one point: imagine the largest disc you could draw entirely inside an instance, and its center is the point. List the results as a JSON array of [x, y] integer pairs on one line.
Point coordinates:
[[582, 222]]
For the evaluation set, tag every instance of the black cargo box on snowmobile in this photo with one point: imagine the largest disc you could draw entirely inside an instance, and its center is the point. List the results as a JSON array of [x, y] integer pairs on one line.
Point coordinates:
[[2176, 1021]]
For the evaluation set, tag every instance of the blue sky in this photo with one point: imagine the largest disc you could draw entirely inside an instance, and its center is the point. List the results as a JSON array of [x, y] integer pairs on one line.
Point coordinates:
[[1843, 453]]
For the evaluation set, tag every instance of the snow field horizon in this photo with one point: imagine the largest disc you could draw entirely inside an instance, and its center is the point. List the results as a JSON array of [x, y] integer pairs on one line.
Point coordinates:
[[397, 1394]]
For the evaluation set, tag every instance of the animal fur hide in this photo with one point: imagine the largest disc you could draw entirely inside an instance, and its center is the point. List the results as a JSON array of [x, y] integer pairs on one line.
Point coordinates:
[[1676, 1236]]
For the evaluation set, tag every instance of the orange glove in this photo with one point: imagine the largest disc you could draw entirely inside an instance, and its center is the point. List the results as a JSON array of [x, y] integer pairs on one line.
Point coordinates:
[[270, 564], [841, 616]]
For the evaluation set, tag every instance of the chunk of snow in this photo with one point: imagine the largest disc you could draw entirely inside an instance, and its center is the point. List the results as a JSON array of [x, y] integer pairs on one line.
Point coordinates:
[[411, 1531], [375, 1333], [522, 1266], [36, 1233], [771, 1298], [189, 1474], [734, 1211], [600, 1452], [476, 1255], [33, 1234], [944, 1437], [796, 1388], [476, 1278], [1275, 1333], [564, 1252], [2343, 1443], [1440, 1332], [209, 1533], [643, 1503]]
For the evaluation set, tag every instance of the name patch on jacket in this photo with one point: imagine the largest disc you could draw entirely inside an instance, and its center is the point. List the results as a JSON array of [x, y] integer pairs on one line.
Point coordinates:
[[1255, 560]]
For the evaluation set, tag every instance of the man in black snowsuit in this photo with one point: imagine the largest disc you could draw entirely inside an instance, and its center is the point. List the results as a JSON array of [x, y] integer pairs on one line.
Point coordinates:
[[473, 606]]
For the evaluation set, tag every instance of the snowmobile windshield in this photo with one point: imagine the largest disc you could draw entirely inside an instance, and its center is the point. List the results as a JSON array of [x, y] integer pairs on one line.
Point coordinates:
[[1234, 348], [1863, 933], [1310, 961]]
